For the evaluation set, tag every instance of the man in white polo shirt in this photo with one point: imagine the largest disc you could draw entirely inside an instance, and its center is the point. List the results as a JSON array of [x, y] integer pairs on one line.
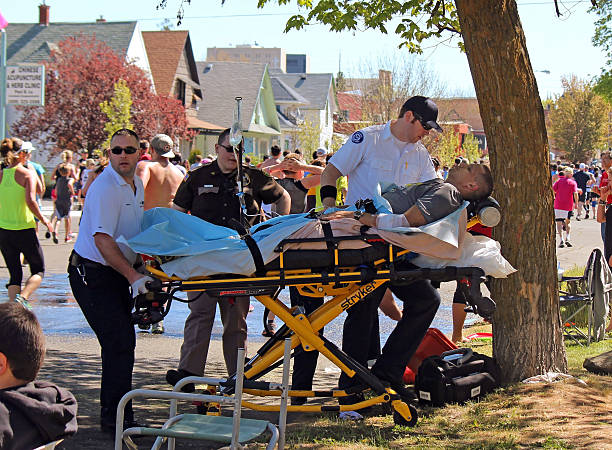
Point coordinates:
[[101, 271], [386, 153]]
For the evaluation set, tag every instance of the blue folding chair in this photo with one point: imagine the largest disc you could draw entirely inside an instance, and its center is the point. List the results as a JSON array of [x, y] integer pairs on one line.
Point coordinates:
[[226, 430]]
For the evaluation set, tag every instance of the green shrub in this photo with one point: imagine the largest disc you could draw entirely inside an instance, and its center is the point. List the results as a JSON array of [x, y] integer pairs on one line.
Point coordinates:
[[254, 158], [193, 154]]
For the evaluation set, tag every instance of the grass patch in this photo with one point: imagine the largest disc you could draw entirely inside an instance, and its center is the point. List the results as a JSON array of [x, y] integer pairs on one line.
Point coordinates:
[[562, 415]]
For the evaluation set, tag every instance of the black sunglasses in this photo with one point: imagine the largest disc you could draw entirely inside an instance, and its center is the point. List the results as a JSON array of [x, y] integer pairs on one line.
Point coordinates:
[[127, 150], [423, 123], [229, 148]]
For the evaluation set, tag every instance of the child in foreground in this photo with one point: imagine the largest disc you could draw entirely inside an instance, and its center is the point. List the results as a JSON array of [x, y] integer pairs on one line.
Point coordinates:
[[32, 413]]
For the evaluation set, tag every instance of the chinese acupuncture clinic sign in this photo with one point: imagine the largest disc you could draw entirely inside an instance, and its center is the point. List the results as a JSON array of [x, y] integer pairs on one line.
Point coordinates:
[[25, 85]]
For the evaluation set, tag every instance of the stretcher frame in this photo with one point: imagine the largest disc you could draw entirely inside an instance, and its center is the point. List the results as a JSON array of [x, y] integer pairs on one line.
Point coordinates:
[[347, 286]]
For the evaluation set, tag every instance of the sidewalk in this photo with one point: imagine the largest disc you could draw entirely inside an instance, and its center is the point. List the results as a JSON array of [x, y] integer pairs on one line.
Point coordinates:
[[586, 236]]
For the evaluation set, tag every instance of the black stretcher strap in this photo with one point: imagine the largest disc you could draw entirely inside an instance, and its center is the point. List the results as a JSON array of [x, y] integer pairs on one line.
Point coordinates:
[[260, 267], [329, 235], [332, 246]]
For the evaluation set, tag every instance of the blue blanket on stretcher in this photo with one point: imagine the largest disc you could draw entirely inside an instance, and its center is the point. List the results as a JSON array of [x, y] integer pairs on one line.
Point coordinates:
[[213, 249]]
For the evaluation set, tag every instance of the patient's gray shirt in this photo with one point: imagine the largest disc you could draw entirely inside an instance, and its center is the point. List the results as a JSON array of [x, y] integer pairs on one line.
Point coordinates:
[[434, 198]]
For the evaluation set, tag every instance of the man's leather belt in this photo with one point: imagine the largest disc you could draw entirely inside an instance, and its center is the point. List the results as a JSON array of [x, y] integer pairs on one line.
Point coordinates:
[[78, 260]]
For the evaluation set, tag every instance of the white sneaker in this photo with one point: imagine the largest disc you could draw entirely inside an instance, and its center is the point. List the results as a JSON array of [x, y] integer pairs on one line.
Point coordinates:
[[158, 328]]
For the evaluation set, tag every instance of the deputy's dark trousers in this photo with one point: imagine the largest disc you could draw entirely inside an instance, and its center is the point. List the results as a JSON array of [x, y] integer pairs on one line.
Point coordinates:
[[421, 301], [105, 299], [304, 363]]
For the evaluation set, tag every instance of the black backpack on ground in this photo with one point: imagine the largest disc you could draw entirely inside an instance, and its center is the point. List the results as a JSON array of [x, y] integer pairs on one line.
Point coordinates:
[[455, 376]]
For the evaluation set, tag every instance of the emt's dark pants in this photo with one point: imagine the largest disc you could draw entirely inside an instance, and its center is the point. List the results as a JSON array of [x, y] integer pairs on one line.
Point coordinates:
[[421, 301], [304, 363], [105, 299]]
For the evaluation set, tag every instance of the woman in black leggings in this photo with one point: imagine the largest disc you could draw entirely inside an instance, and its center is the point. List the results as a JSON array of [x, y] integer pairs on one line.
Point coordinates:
[[18, 207]]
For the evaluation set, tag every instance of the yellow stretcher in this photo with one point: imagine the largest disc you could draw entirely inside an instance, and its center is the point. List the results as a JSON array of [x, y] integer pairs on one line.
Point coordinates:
[[347, 276]]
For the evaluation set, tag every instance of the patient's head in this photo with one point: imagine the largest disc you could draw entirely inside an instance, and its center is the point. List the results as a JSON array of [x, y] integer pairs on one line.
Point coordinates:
[[22, 345], [473, 181]]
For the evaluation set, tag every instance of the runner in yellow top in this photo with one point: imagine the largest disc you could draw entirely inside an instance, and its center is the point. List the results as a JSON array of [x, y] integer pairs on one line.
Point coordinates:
[[313, 196], [18, 207]]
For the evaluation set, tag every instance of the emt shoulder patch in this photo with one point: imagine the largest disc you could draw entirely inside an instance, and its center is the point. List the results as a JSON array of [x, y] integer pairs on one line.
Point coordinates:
[[357, 137]]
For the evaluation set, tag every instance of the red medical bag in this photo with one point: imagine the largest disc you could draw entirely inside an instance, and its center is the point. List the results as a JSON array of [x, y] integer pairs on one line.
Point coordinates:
[[434, 343]]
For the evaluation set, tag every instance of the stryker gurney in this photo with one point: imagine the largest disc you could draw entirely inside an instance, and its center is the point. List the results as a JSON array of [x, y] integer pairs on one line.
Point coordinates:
[[345, 274]]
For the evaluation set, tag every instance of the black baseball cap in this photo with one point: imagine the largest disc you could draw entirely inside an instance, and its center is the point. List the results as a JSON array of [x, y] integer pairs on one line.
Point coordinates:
[[424, 110]]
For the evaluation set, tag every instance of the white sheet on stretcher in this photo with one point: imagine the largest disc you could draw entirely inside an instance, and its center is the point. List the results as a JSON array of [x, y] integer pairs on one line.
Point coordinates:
[[208, 249]]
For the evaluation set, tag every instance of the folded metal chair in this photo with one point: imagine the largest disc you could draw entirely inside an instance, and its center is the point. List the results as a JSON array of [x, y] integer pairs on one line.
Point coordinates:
[[225, 430], [579, 291]]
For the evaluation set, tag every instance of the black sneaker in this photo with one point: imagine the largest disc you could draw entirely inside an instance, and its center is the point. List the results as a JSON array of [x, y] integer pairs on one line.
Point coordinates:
[[351, 399], [270, 329], [561, 245], [578, 219], [568, 243], [48, 234], [405, 393], [174, 376]]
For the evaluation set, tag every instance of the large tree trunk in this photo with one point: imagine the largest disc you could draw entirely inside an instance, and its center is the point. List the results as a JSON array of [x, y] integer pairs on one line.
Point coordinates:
[[527, 326]]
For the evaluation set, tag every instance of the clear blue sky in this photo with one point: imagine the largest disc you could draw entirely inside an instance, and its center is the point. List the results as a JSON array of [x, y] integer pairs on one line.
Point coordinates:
[[559, 45]]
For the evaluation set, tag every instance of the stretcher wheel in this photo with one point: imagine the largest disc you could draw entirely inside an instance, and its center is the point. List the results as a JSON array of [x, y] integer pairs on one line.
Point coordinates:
[[398, 419]]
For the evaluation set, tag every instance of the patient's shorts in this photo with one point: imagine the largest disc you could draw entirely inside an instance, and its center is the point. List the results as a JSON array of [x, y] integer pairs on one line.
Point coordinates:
[[561, 214]]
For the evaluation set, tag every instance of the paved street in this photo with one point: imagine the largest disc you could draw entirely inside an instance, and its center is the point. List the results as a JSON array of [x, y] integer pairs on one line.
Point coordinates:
[[585, 236]]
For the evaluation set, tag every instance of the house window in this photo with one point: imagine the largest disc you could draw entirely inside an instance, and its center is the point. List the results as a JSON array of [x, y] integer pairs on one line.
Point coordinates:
[[181, 89]]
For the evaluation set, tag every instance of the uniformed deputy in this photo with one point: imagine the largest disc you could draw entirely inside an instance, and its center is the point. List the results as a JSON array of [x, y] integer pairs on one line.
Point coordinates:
[[209, 192], [386, 153], [101, 270]]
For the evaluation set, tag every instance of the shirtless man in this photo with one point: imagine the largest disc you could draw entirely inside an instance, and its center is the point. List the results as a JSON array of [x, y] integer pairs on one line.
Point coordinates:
[[160, 177]]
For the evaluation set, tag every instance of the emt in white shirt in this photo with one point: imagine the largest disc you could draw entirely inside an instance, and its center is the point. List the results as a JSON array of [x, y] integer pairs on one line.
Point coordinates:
[[386, 153], [101, 271]]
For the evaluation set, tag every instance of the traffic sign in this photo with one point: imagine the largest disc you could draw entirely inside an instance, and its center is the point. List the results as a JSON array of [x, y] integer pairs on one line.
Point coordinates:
[[25, 85]]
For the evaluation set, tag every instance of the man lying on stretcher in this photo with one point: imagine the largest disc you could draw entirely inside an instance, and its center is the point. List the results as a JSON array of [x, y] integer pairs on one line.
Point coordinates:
[[412, 206], [418, 204]]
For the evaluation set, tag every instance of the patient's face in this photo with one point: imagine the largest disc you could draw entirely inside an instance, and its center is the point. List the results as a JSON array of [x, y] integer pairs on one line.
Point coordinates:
[[464, 178]]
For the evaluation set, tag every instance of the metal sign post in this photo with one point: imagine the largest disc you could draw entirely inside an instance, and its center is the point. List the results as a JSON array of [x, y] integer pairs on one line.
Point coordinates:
[[2, 84]]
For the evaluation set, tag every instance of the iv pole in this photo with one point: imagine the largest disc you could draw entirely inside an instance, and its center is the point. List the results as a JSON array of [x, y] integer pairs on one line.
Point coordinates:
[[235, 138]]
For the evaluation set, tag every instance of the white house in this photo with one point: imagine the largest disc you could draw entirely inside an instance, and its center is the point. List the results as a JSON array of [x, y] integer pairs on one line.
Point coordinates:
[[306, 97]]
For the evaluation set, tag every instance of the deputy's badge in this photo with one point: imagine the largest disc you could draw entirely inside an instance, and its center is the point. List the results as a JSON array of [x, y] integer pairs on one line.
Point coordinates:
[[357, 137], [246, 179]]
